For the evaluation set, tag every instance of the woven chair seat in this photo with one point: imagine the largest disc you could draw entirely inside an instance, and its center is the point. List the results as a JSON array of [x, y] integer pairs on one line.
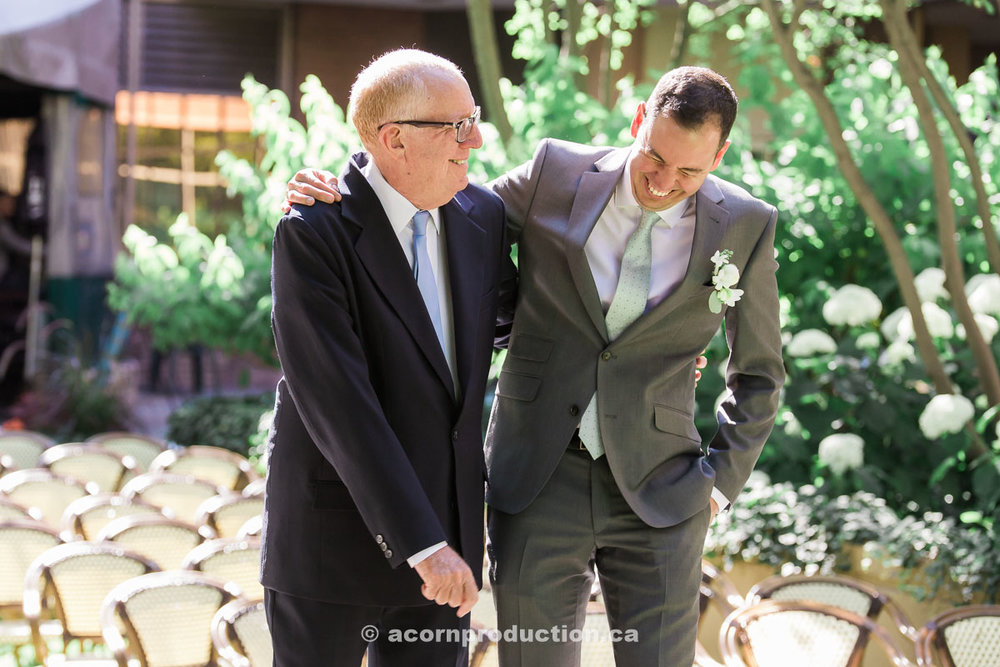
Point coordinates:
[[241, 635], [163, 540], [226, 513], [142, 448], [230, 560], [23, 448]]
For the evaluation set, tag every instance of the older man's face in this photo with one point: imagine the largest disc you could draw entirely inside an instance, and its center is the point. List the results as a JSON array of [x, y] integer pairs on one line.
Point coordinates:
[[436, 166]]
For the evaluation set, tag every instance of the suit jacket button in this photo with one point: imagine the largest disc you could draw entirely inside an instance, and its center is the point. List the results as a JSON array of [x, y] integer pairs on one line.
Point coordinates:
[[454, 434], [383, 546], [388, 554], [606, 356], [379, 539], [574, 410]]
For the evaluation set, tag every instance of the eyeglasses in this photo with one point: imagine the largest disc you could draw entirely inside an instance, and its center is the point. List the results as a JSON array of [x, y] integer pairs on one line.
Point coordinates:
[[463, 128]]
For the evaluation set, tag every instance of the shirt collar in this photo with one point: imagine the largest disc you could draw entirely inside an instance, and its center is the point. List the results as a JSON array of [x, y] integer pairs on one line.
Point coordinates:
[[398, 208], [624, 199]]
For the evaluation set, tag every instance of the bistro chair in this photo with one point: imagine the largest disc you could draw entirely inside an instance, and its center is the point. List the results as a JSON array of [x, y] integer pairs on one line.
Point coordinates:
[[161, 539], [22, 448], [226, 513], [21, 541], [222, 467], [962, 637], [716, 592], [75, 578], [43, 490], [142, 448], [12, 510], [229, 559], [85, 517], [165, 618], [178, 496], [837, 591], [241, 636], [780, 633], [98, 469]]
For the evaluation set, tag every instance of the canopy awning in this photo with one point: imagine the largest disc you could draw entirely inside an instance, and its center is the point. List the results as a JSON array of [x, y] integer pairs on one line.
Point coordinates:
[[66, 45]]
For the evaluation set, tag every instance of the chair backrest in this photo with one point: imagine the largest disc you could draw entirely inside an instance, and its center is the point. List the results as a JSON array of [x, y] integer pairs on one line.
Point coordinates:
[[142, 448], [962, 637], [229, 559], [837, 591], [253, 527], [100, 470], [222, 467], [241, 635], [167, 618], [42, 489], [24, 447], [177, 495], [12, 510], [163, 540], [21, 541], [255, 488], [77, 577], [800, 632], [85, 517], [226, 513]]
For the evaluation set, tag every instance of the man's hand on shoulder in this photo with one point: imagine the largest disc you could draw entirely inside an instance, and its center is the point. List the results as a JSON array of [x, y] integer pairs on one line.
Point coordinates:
[[310, 185], [448, 580]]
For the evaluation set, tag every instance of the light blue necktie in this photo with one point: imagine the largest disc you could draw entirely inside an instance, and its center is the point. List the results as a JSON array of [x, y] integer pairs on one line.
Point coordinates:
[[424, 274], [627, 305]]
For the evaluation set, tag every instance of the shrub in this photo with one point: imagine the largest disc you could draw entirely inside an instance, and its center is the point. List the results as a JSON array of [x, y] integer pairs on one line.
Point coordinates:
[[220, 421]]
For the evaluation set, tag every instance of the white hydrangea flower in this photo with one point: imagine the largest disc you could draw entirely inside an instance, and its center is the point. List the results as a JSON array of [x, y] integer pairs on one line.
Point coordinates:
[[896, 353], [852, 305], [727, 276], [945, 413], [869, 340], [983, 291], [899, 324], [891, 324], [988, 326], [758, 479], [930, 284], [842, 452], [809, 343]]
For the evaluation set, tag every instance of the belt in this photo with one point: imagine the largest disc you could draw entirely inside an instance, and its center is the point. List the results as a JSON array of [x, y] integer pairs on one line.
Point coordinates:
[[575, 444]]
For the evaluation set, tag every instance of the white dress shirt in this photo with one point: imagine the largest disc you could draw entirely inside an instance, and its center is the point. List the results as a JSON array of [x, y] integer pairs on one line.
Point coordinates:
[[672, 237], [400, 212]]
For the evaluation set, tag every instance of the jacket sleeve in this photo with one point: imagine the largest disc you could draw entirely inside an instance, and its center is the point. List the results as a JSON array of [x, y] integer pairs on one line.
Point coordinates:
[[755, 372], [325, 367]]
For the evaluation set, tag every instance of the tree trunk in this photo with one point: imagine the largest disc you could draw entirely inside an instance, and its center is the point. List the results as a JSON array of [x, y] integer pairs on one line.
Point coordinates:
[[908, 43], [893, 15], [682, 34], [852, 174], [484, 47], [571, 49]]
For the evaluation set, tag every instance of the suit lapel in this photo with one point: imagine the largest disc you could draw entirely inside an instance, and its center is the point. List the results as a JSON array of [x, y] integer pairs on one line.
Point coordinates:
[[379, 251], [711, 222], [466, 262], [592, 196]]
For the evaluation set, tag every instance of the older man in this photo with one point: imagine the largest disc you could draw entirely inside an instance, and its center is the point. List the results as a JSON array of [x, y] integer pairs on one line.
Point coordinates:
[[384, 311]]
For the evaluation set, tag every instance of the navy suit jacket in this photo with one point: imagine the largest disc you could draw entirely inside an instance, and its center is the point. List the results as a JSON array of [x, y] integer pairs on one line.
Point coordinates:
[[372, 458]]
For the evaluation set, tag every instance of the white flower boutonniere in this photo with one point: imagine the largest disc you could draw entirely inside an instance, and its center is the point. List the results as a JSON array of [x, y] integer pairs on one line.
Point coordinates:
[[724, 277]]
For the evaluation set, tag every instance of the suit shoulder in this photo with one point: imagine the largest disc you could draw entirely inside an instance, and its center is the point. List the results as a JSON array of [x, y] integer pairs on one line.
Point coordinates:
[[737, 195], [315, 219], [570, 150]]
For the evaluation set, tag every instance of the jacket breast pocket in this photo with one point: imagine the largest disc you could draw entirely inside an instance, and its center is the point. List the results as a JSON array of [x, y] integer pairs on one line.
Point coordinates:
[[675, 422]]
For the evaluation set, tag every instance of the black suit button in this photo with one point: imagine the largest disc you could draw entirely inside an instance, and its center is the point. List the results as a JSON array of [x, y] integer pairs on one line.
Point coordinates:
[[606, 356], [379, 539], [574, 410], [454, 434], [388, 554], [383, 546]]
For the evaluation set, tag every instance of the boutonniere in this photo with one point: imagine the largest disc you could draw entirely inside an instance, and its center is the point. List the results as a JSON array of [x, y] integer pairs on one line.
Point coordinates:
[[724, 277]]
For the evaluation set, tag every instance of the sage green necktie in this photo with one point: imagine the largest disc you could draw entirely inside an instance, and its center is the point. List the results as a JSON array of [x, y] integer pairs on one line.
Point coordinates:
[[627, 305]]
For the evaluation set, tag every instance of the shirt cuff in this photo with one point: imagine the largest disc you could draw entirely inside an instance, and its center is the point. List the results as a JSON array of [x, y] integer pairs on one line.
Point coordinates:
[[720, 499], [425, 553]]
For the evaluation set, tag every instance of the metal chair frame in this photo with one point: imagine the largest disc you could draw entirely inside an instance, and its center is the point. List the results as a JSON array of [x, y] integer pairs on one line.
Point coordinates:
[[932, 642], [142, 448], [66, 458], [225, 636], [242, 470]]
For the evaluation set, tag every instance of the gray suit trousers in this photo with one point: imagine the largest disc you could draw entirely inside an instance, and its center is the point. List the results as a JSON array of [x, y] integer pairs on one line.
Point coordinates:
[[542, 563]]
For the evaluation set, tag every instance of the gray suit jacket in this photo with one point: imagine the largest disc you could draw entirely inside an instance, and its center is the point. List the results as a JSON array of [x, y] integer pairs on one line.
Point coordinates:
[[559, 352]]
